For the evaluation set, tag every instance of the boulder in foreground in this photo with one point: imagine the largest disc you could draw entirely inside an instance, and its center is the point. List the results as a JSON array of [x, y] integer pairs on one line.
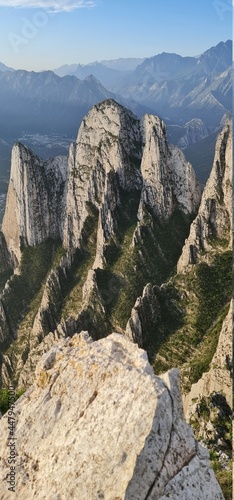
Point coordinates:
[[98, 424]]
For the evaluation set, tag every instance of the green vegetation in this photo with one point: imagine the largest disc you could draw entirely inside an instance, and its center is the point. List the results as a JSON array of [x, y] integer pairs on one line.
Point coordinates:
[[152, 259], [130, 267], [203, 297], [81, 263], [4, 399], [213, 286], [224, 478], [24, 287]]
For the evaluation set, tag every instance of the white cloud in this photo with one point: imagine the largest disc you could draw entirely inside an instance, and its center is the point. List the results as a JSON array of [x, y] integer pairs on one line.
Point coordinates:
[[49, 5]]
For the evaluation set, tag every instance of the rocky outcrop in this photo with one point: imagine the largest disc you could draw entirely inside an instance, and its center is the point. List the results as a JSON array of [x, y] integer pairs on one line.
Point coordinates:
[[213, 223], [146, 311], [121, 174], [105, 158], [114, 153], [195, 131], [35, 199], [86, 392], [169, 181]]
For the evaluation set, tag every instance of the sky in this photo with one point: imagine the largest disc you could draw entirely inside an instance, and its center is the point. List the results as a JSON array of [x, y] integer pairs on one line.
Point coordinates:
[[45, 34]]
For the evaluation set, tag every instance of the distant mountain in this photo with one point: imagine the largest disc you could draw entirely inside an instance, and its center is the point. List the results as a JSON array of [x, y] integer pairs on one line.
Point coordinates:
[[123, 64], [3, 67], [175, 87], [44, 102], [108, 72], [107, 76], [183, 88]]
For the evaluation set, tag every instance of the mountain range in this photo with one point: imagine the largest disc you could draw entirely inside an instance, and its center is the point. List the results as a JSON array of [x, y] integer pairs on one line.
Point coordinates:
[[118, 237], [184, 87], [191, 94], [175, 87]]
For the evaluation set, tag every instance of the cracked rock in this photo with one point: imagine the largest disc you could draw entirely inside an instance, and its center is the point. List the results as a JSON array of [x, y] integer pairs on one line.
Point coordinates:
[[97, 423]]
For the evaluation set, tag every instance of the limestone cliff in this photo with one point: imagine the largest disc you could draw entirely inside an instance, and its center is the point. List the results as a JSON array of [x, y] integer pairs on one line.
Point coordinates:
[[100, 238], [109, 206], [169, 181], [86, 392], [34, 205], [116, 153], [209, 242], [105, 158], [213, 223]]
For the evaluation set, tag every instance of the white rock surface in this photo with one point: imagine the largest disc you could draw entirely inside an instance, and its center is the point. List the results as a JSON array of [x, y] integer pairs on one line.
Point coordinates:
[[195, 130], [169, 181], [104, 157], [34, 205], [214, 219], [98, 424], [113, 152]]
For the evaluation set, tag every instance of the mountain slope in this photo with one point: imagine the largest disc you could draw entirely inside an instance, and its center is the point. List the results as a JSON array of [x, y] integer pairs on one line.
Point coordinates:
[[3, 67], [122, 240], [128, 191], [107, 71], [45, 103], [184, 87]]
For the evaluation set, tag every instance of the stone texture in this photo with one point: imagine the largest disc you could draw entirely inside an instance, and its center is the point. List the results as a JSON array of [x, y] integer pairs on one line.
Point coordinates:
[[169, 181], [97, 423], [195, 130], [146, 311], [105, 157], [214, 219], [34, 205]]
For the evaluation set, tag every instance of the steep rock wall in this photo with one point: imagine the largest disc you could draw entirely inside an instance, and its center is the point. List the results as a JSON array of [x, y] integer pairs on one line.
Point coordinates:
[[35, 199], [214, 219]]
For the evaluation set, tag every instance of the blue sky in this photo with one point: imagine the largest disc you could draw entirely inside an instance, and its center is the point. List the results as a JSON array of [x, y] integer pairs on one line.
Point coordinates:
[[44, 34]]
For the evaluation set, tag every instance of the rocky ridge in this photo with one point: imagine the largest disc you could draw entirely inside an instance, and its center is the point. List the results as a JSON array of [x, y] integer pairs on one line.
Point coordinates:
[[126, 208], [210, 235], [213, 222], [121, 174], [95, 390]]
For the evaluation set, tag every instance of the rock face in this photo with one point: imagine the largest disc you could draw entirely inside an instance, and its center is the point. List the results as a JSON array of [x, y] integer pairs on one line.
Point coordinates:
[[121, 171], [169, 181], [195, 131], [98, 423], [115, 152], [145, 311], [105, 158], [35, 199], [214, 219]]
